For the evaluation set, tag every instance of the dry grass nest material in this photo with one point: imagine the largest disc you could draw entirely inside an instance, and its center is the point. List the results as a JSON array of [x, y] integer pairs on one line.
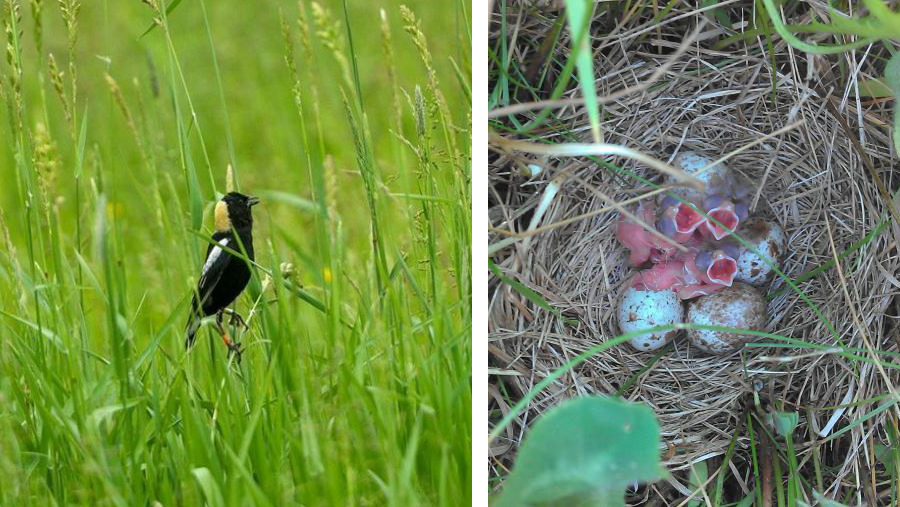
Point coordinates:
[[814, 183]]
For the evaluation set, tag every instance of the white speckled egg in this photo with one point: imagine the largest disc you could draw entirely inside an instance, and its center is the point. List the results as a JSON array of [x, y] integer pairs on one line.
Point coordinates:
[[740, 306], [642, 309], [717, 176], [768, 239]]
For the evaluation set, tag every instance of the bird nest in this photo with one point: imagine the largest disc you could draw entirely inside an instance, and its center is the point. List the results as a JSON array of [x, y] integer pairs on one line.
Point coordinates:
[[811, 179]]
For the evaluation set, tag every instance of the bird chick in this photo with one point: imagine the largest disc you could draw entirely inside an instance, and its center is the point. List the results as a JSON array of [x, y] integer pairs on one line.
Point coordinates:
[[699, 271], [723, 213], [635, 237], [679, 219], [724, 197]]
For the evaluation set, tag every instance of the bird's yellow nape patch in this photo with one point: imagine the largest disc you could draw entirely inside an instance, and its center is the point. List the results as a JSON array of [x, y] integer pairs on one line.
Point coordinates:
[[223, 223]]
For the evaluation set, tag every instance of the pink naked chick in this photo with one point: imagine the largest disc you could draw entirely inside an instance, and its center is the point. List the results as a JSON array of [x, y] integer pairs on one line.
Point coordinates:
[[678, 219], [724, 197], [675, 220], [640, 242], [726, 212], [695, 273], [726, 200]]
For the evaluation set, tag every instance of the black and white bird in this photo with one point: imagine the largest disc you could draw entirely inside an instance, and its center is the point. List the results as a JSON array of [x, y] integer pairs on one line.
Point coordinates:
[[224, 274]]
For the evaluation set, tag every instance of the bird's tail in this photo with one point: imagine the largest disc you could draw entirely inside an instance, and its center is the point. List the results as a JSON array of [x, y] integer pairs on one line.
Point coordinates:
[[192, 326]]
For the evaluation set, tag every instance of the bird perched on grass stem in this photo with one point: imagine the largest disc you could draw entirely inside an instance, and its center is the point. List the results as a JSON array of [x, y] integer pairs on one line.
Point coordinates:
[[224, 274]]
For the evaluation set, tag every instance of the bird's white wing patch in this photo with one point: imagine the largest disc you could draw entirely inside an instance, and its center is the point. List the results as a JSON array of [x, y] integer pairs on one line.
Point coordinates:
[[213, 255]]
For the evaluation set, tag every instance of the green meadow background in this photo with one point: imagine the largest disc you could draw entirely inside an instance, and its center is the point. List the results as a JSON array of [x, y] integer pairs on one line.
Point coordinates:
[[351, 120]]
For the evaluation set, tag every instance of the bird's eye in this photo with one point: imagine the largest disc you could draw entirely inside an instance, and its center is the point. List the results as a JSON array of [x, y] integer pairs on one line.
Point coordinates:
[[731, 250], [742, 210], [742, 189], [703, 260], [713, 201], [669, 202], [666, 226]]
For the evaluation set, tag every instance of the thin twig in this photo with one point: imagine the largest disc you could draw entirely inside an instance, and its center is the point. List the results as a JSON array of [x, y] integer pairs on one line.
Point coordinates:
[[746, 147], [583, 150]]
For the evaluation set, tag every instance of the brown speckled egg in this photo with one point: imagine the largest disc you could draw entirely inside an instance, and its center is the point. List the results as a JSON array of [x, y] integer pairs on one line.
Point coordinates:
[[643, 309], [768, 239], [740, 306]]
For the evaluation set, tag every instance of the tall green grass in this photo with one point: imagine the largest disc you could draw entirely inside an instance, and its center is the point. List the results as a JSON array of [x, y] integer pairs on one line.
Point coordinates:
[[351, 122]]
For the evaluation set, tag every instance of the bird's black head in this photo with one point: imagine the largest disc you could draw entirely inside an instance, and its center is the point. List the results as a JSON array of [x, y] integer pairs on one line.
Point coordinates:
[[234, 211]]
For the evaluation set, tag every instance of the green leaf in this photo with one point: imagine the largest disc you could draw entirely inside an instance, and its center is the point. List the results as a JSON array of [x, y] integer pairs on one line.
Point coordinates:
[[579, 15], [785, 422], [884, 454], [528, 294], [699, 474], [822, 49], [821, 501], [210, 488], [874, 88], [717, 13], [585, 452], [888, 20], [99, 415], [79, 150], [747, 501], [289, 198], [892, 78], [48, 333]]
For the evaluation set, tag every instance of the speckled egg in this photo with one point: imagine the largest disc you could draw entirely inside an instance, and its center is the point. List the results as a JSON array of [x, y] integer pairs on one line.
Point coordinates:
[[768, 239], [740, 306], [642, 309], [717, 176]]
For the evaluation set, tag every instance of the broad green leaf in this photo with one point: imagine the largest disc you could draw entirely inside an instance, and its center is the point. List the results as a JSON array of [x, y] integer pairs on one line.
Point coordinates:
[[883, 16], [823, 49], [717, 13], [585, 452], [821, 501], [699, 474], [747, 501], [874, 88], [785, 422], [99, 415], [884, 454]]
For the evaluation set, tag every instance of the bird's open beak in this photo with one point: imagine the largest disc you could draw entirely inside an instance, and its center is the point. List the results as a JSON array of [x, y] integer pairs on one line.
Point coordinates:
[[687, 219], [722, 270], [253, 201], [725, 216]]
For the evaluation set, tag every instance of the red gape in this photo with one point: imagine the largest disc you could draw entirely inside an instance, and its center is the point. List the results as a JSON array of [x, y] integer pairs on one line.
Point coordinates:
[[722, 271], [726, 216], [687, 219], [681, 274]]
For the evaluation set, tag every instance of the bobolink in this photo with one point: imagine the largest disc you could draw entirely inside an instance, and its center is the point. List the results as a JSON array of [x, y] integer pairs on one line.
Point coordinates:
[[224, 275]]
